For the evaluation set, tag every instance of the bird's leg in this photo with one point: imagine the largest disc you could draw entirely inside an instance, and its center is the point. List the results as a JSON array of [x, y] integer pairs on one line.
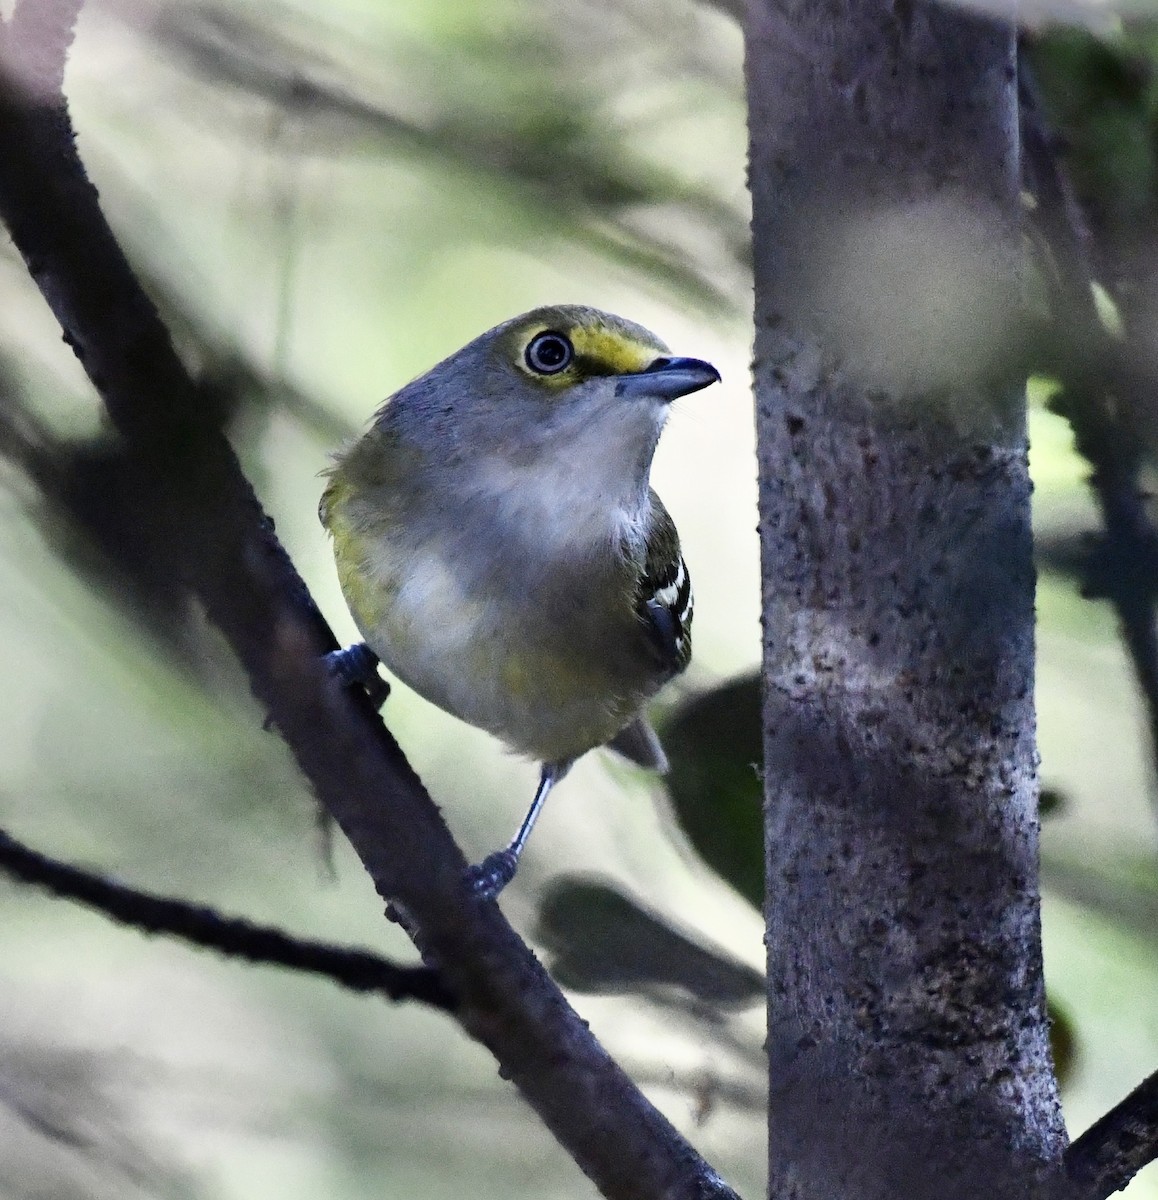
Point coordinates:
[[358, 664], [498, 869]]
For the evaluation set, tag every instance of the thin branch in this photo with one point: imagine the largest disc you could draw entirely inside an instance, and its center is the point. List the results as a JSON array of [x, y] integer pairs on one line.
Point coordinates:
[[222, 548], [1113, 1150], [234, 937]]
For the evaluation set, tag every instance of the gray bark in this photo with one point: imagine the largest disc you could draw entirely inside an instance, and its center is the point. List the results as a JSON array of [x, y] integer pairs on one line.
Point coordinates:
[[907, 1032]]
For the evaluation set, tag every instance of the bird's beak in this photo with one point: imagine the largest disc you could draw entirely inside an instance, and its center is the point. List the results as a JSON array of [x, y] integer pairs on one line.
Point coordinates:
[[667, 378]]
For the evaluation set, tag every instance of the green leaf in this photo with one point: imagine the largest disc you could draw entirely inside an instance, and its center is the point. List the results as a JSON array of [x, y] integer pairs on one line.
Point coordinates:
[[604, 941], [715, 745], [1063, 1042]]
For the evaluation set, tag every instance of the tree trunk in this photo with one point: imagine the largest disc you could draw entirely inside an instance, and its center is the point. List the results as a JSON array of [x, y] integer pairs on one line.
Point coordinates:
[[908, 1040]]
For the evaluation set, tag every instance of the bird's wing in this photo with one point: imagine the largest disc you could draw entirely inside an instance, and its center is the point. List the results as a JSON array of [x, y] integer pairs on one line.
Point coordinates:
[[664, 597]]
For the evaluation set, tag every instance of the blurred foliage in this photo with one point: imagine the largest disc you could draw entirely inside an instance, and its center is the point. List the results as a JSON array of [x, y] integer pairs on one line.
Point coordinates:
[[555, 137], [1063, 1043], [1052, 802], [1122, 888], [1102, 97], [716, 749], [605, 941], [71, 1113]]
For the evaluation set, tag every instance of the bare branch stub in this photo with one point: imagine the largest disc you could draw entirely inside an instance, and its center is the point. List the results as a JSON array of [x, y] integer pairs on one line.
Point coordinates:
[[1114, 1149]]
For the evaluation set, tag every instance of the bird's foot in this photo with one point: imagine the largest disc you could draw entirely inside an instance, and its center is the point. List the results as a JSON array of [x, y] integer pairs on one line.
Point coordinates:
[[492, 874], [358, 664]]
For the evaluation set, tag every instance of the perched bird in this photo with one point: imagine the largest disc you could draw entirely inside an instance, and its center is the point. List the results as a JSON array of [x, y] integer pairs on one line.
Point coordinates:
[[502, 552]]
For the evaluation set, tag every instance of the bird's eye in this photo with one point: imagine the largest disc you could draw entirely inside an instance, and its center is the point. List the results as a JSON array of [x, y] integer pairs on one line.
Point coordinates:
[[548, 353]]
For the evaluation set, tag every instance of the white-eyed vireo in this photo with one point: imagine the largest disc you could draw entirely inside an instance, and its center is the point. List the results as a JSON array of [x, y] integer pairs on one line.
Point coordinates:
[[502, 552]]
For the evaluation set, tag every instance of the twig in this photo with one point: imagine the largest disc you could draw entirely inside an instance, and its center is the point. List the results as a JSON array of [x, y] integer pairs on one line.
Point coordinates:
[[223, 548], [234, 937], [1113, 1150]]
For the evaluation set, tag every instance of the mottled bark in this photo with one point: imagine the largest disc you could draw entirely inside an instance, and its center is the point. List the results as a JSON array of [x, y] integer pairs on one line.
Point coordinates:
[[907, 1030]]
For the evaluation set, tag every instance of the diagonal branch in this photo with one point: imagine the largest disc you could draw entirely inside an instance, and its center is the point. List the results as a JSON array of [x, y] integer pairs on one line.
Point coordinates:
[[234, 937], [222, 548], [1113, 1150]]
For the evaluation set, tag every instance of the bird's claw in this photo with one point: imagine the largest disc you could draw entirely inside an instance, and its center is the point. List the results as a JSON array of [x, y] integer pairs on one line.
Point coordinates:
[[493, 874], [358, 664]]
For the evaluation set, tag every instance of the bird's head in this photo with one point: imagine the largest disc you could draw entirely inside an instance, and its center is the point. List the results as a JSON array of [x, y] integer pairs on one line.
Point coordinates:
[[560, 381]]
